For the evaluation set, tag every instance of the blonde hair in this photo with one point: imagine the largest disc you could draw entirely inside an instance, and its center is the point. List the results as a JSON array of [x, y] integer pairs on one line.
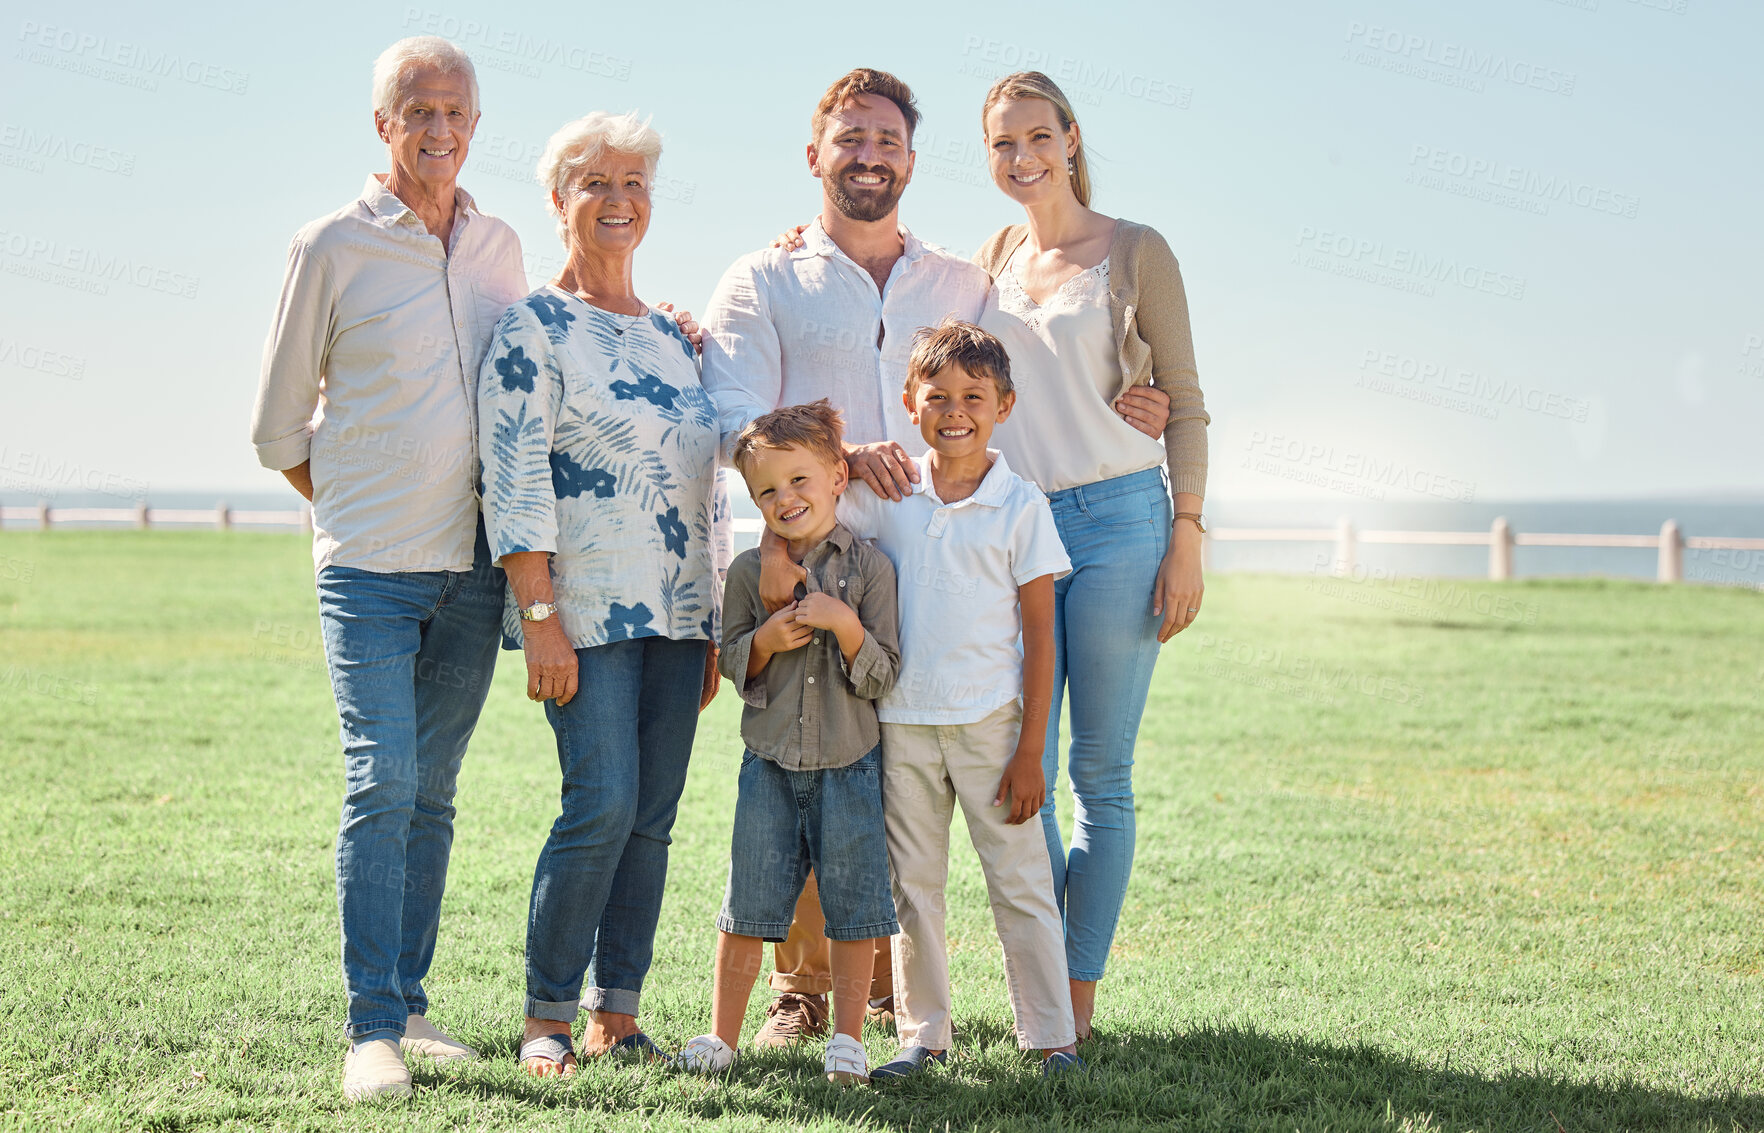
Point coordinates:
[[583, 141], [816, 427], [1034, 84]]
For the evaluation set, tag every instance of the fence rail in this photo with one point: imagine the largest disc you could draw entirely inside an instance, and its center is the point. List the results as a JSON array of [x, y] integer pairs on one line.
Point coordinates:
[[1500, 538]]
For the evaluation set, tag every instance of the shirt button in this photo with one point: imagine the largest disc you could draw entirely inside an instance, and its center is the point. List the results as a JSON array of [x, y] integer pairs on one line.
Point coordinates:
[[811, 680], [842, 584], [817, 641]]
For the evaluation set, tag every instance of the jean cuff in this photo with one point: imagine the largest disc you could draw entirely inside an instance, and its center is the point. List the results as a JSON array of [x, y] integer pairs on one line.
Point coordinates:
[[863, 932], [1090, 975], [359, 1031], [564, 1012], [771, 932], [616, 1000]]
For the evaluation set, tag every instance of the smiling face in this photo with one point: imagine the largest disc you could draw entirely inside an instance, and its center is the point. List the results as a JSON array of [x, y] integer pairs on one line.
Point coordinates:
[[864, 157], [431, 128], [606, 205], [1027, 149], [795, 489], [956, 411]]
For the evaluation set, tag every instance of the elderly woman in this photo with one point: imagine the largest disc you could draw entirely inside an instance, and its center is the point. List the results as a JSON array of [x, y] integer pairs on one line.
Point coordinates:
[[599, 449]]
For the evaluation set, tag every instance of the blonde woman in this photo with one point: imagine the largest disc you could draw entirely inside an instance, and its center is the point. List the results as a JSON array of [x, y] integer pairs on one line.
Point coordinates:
[[1090, 307]]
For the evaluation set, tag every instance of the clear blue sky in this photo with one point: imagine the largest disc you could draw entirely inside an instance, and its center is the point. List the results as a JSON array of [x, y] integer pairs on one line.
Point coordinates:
[[1514, 245]]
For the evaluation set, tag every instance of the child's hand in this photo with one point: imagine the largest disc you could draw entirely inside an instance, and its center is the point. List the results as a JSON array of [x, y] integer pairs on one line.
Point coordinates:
[[822, 611], [782, 632], [1024, 785]]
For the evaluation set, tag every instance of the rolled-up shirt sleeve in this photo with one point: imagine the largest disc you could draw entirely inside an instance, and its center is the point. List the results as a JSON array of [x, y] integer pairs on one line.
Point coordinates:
[[743, 358], [294, 361], [873, 670], [520, 394]]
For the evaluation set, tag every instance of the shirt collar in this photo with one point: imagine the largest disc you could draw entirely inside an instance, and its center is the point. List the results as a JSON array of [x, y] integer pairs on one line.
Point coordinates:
[[993, 489], [385, 205], [839, 539], [816, 242]]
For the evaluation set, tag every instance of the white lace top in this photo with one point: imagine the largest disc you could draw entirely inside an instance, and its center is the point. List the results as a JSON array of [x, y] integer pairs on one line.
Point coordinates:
[[1064, 430]]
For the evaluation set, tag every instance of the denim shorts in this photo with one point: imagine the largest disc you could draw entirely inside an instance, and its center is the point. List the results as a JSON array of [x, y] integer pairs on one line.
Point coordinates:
[[789, 821]]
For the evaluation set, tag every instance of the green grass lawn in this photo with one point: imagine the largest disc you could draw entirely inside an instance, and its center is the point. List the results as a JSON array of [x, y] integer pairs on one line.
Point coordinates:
[[1417, 856]]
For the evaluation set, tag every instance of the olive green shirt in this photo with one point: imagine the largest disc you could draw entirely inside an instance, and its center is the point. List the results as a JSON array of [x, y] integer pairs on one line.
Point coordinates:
[[807, 710]]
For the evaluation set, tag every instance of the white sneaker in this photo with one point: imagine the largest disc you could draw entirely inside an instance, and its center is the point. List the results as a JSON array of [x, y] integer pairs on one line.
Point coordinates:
[[847, 1064], [375, 1070], [706, 1054], [424, 1037]]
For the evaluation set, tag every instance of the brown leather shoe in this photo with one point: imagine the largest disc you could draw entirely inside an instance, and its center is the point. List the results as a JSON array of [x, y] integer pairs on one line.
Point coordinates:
[[792, 1017], [879, 1013]]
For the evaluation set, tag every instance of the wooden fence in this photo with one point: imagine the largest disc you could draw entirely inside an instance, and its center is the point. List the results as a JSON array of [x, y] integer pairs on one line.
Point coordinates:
[[1500, 538]]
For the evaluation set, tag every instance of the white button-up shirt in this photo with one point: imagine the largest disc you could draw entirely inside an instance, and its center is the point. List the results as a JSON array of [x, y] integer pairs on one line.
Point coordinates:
[[370, 372], [785, 328], [958, 567]]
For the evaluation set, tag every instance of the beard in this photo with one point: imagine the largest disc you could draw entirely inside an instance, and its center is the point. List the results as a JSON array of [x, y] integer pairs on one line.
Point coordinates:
[[871, 205]]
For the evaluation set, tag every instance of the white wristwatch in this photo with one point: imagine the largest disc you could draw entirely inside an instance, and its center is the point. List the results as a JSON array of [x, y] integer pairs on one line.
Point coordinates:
[[538, 612]]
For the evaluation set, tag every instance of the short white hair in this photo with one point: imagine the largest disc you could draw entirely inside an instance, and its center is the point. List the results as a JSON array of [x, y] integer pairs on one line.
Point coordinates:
[[583, 142], [398, 65]]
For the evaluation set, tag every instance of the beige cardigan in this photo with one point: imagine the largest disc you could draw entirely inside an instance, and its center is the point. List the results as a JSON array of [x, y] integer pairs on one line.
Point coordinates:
[[1149, 310]]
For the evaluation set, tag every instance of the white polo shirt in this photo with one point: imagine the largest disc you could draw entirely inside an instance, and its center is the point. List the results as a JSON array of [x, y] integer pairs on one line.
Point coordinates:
[[958, 567]]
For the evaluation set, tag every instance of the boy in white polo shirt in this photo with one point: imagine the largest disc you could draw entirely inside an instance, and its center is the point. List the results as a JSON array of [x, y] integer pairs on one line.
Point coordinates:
[[976, 553]]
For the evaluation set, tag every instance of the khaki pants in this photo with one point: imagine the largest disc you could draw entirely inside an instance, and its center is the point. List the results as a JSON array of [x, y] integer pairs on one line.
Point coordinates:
[[926, 770], [804, 963]]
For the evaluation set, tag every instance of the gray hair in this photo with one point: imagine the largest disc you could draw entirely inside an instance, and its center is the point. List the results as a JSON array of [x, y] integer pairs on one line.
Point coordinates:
[[398, 65], [583, 142]]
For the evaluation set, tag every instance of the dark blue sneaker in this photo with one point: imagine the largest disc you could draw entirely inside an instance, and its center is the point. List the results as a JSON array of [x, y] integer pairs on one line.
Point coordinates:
[[641, 1045], [1059, 1062], [910, 1061]]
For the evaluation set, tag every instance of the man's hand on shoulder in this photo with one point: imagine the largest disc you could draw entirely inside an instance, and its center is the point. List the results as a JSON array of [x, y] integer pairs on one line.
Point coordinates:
[[885, 467]]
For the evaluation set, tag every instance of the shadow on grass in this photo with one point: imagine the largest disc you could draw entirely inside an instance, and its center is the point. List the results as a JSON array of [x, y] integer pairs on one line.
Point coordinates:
[[1213, 1078]]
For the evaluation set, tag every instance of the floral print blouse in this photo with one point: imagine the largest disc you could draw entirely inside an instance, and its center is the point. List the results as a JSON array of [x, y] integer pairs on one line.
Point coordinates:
[[600, 446]]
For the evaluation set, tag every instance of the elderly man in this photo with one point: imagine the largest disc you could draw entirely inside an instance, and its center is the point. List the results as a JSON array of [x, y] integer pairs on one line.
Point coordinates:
[[832, 315], [367, 405]]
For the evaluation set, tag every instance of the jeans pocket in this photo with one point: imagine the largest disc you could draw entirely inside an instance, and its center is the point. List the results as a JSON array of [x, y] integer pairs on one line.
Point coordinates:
[[1128, 509]]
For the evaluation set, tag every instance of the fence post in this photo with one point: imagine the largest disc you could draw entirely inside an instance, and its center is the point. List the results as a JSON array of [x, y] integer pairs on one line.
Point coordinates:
[[223, 519], [141, 516], [1344, 547], [42, 515], [1671, 552], [1500, 550]]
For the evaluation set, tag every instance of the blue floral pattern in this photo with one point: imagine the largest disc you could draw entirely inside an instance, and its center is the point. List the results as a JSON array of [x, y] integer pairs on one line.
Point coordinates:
[[600, 445]]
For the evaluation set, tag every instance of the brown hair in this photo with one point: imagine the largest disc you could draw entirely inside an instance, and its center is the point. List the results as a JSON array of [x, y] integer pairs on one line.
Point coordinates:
[[1034, 84], [817, 427], [864, 80], [958, 343]]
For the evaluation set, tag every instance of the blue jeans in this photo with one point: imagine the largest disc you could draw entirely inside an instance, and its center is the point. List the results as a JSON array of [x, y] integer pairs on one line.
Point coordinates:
[[411, 655], [1105, 647], [623, 743], [789, 821]]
